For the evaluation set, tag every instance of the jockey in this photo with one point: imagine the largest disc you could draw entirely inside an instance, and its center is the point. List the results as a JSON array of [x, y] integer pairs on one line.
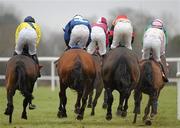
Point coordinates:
[[155, 38], [99, 37], [77, 32], [121, 33], [28, 33]]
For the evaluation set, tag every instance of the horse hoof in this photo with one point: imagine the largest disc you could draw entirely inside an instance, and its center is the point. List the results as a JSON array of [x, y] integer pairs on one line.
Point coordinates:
[[148, 122], [109, 117], [61, 115], [92, 114], [104, 106], [6, 112], [24, 116], [123, 114], [77, 110], [79, 117], [32, 106], [89, 106]]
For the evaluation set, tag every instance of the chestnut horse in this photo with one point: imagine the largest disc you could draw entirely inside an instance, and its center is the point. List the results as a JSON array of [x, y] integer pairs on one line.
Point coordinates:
[[151, 83], [120, 72], [21, 74], [76, 70]]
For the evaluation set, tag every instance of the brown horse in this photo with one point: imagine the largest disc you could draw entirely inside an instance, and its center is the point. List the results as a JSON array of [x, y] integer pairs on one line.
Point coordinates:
[[76, 70], [21, 74], [98, 84], [151, 83], [120, 72]]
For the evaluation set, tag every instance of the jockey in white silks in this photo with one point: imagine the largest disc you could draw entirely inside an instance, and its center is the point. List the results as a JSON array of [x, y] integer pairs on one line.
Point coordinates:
[[155, 39], [99, 37], [122, 32]]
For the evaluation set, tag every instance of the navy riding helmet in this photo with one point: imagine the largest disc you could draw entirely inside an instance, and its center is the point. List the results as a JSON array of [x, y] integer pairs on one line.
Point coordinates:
[[29, 19]]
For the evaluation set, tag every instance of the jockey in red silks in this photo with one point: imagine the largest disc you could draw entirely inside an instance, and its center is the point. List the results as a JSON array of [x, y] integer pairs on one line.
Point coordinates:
[[99, 37], [155, 38], [121, 33]]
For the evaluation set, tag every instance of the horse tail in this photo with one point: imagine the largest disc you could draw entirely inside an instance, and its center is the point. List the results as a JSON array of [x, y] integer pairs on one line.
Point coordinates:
[[123, 75], [76, 74], [21, 78], [148, 73]]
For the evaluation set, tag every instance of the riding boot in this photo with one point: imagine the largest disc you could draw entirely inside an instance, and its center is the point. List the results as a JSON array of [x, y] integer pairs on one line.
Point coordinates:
[[67, 48], [163, 72], [35, 58], [14, 53]]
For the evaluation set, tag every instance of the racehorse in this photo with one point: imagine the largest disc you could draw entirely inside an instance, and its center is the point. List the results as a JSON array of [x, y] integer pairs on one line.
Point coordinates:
[[98, 83], [76, 70], [151, 83], [120, 72], [21, 74]]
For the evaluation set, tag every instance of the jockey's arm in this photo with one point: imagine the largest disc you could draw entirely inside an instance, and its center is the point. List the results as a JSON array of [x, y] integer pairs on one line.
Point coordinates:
[[38, 31]]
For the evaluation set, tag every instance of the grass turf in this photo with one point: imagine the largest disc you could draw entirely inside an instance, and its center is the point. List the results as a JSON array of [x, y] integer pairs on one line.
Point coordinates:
[[47, 101]]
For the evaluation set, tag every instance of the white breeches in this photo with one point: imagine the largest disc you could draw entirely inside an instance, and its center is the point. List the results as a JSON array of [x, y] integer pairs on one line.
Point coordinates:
[[79, 36], [29, 37], [98, 38], [122, 35], [153, 39]]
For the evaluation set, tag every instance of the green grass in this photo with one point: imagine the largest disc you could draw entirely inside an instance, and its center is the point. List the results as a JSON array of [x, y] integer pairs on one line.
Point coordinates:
[[47, 105]]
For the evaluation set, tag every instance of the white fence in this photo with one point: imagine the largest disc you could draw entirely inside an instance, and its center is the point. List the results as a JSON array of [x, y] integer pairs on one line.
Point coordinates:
[[53, 78]]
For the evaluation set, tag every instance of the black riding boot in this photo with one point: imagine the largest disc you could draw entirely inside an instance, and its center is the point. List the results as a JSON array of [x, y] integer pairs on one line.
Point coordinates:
[[164, 74], [67, 48], [14, 53], [35, 58]]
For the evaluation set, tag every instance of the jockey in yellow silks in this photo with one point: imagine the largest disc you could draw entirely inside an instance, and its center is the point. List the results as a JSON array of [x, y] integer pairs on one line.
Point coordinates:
[[28, 33]]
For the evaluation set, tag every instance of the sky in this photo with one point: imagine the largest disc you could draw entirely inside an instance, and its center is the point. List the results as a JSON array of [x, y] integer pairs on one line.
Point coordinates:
[[54, 14]]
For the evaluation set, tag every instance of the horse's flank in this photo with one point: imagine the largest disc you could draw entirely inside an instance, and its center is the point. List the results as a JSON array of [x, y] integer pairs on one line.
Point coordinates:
[[156, 72]]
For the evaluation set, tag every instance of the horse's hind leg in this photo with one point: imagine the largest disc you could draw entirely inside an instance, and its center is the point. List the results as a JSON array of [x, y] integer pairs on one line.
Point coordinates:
[[63, 101], [105, 100], [120, 106], [154, 104], [10, 107], [146, 112], [31, 106], [124, 112], [84, 101], [25, 103], [90, 100], [78, 102], [109, 102], [98, 93], [137, 99]]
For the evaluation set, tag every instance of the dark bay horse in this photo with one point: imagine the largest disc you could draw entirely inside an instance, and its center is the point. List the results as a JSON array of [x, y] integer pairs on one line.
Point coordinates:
[[21, 74], [76, 70], [98, 84], [120, 72], [151, 83]]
